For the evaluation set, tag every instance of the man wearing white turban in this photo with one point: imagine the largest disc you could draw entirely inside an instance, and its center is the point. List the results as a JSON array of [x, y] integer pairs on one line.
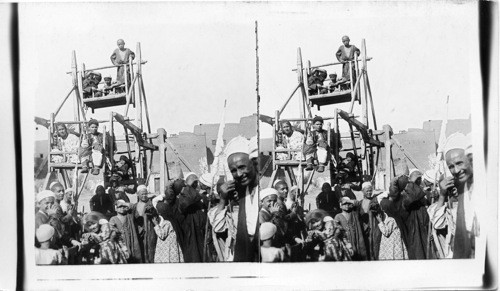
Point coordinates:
[[461, 218], [242, 162]]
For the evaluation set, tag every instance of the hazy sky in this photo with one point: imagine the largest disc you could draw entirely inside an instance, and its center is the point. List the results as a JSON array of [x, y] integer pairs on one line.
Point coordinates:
[[202, 53]]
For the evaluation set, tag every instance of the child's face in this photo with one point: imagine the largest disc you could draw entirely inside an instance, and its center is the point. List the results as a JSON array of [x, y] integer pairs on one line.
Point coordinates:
[[107, 81], [317, 225], [318, 125], [120, 163], [269, 201], [46, 203], [329, 229], [346, 207], [59, 192], [282, 191], [93, 128], [121, 44], [94, 227], [122, 209], [68, 196]]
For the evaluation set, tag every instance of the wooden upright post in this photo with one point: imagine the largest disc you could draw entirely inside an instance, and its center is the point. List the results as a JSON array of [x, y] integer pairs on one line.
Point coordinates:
[[388, 156], [74, 75], [275, 130], [336, 136], [364, 99], [112, 138], [161, 148], [139, 72], [131, 74]]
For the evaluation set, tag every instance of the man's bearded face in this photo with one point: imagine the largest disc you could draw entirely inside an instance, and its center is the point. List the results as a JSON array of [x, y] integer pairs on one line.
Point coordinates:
[[459, 165], [242, 169]]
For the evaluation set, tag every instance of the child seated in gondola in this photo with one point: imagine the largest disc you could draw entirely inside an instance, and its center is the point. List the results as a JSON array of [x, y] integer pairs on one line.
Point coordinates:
[[315, 81], [90, 84], [122, 168], [111, 87]]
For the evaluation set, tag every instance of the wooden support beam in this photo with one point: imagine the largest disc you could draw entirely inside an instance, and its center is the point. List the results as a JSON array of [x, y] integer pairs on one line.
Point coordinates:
[[162, 135], [271, 181], [289, 98], [107, 67], [64, 101], [388, 156], [330, 64]]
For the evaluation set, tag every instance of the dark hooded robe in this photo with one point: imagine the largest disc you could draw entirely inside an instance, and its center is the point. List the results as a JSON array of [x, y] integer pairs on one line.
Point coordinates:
[[194, 218], [417, 222], [172, 212], [327, 200]]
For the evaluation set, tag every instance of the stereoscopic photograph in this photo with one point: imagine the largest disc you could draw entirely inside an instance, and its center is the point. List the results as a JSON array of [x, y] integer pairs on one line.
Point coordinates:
[[246, 143]]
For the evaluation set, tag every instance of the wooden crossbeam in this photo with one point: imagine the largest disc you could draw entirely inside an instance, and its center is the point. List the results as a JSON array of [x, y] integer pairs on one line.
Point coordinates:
[[136, 131], [363, 130]]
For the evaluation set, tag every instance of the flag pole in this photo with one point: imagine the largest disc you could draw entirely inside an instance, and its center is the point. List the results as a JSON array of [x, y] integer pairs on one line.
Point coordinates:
[[215, 172]]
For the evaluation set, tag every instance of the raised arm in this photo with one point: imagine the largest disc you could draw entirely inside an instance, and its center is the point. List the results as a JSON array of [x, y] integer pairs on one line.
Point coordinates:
[[113, 58], [413, 195], [188, 197], [339, 53]]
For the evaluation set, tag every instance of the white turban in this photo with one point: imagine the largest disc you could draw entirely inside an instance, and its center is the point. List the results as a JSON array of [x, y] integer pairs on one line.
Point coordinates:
[[430, 176], [44, 194], [268, 192], [44, 232], [456, 141], [54, 183], [413, 171], [141, 188], [267, 230], [206, 179], [240, 144], [366, 185]]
